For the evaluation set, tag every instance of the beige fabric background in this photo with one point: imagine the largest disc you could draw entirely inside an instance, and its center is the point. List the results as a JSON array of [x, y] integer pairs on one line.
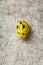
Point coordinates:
[[12, 50]]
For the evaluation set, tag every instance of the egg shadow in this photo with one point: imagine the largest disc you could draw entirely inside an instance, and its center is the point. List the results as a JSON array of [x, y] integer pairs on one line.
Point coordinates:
[[30, 35]]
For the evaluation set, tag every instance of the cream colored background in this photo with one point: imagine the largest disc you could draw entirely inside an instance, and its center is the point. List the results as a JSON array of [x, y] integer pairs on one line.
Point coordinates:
[[12, 50]]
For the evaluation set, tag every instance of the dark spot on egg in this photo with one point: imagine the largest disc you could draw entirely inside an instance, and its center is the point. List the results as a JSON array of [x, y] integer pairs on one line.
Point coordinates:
[[20, 22], [23, 26], [17, 27], [23, 33]]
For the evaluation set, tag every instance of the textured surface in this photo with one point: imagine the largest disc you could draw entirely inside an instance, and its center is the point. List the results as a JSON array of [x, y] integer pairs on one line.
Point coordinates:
[[12, 50]]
